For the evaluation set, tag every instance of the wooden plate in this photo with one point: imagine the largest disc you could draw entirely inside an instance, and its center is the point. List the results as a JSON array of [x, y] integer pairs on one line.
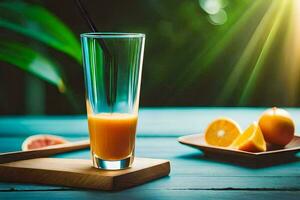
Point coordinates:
[[198, 141]]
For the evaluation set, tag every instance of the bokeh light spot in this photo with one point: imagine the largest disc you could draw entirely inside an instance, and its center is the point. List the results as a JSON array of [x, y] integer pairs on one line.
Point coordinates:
[[218, 18], [211, 6]]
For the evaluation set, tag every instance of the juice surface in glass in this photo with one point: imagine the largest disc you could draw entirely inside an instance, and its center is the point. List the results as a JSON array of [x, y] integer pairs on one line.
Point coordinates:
[[112, 135]]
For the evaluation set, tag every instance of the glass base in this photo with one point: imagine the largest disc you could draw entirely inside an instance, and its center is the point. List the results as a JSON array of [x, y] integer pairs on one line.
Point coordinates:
[[112, 164]]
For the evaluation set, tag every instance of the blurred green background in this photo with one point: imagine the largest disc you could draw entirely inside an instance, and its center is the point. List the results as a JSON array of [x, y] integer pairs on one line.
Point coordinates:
[[198, 52]]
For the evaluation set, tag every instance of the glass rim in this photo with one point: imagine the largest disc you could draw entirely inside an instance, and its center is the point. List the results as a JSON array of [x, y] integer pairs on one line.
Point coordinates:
[[112, 35]]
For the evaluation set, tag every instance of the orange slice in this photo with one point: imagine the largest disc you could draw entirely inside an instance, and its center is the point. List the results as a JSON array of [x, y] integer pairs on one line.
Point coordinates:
[[251, 140], [222, 132]]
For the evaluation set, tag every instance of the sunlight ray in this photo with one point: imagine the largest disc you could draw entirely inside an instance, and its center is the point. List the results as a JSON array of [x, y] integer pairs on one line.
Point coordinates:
[[216, 47], [251, 83], [290, 65], [251, 51]]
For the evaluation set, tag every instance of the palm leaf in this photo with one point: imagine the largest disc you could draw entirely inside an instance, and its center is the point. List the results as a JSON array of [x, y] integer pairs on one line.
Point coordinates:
[[36, 22], [31, 61]]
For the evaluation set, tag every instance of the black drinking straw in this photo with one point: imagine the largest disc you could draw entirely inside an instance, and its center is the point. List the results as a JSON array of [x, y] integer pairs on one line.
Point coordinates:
[[91, 24], [86, 16], [112, 69]]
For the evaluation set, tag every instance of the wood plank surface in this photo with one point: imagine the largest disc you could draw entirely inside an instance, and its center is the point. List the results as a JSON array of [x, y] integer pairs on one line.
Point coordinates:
[[80, 173], [136, 194], [192, 170], [152, 121], [193, 175], [44, 152]]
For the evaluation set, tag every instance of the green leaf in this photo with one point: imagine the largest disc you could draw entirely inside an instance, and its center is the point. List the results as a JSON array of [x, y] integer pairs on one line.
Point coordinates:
[[31, 61], [38, 23]]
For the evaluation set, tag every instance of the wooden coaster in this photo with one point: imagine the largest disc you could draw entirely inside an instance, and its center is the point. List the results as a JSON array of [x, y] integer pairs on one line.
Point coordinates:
[[80, 173]]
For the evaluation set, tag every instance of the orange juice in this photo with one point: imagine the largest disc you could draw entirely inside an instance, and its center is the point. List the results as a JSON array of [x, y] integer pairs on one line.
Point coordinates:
[[112, 135]]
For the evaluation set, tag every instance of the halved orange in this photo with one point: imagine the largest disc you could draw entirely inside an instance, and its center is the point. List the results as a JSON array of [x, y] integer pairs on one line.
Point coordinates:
[[222, 132], [251, 140]]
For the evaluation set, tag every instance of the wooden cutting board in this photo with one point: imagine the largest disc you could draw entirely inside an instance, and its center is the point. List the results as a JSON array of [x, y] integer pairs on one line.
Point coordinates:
[[80, 173]]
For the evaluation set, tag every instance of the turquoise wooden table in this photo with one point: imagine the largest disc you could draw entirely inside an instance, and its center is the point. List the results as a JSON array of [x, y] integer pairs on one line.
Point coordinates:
[[193, 175]]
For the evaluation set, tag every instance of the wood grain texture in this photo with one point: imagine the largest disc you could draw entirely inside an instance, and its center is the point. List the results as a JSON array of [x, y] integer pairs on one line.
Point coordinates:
[[136, 194], [44, 152], [152, 121], [193, 175], [80, 173]]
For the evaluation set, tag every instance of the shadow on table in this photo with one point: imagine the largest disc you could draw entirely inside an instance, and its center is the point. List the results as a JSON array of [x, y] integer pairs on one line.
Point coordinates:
[[244, 162]]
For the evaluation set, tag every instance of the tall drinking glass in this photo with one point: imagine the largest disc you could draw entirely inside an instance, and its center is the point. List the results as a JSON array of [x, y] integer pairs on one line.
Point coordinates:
[[112, 68]]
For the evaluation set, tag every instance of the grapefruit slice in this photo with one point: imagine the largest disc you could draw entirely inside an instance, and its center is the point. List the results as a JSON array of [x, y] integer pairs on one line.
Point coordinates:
[[41, 141], [222, 132]]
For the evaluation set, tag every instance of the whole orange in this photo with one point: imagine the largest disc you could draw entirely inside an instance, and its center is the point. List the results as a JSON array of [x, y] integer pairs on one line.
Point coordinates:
[[277, 126]]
